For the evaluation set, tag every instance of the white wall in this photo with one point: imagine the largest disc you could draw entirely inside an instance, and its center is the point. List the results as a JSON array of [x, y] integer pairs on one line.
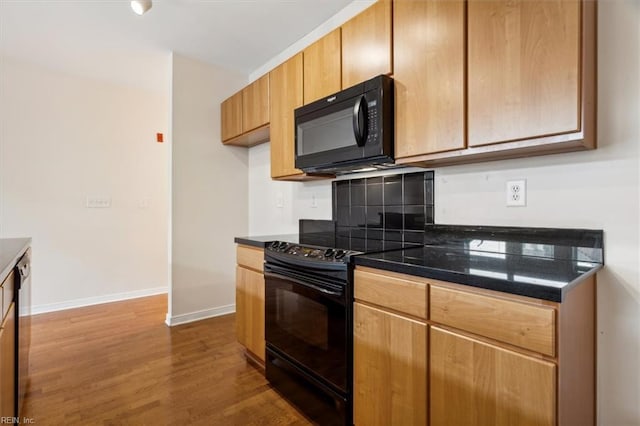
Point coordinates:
[[598, 189], [295, 198], [64, 138], [209, 193]]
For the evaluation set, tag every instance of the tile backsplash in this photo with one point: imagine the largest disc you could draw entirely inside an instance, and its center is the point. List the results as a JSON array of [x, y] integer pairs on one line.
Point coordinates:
[[384, 210]]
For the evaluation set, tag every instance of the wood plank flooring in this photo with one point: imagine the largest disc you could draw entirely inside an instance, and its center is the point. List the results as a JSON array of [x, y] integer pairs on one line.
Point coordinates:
[[119, 364]]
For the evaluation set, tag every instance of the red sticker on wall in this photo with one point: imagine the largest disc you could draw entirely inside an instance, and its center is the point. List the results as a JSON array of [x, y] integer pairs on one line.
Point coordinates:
[[159, 138]]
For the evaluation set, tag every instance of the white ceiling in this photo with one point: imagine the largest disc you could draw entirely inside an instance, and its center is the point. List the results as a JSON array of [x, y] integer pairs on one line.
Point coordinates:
[[105, 39]]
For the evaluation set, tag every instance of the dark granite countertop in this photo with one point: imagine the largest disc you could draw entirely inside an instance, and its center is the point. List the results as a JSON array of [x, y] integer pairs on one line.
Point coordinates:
[[539, 277], [11, 249], [543, 263]]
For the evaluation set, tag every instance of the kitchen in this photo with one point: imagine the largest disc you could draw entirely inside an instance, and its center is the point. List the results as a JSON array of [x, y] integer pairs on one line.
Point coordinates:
[[93, 255]]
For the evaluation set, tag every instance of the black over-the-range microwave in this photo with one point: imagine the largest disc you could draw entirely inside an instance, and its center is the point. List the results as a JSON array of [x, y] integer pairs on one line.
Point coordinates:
[[347, 131]]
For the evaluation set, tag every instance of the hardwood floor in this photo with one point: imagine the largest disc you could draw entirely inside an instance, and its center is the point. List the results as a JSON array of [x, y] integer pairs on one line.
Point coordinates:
[[119, 364]]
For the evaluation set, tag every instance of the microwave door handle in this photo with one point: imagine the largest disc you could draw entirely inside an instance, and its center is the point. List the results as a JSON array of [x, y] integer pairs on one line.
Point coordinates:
[[360, 121]]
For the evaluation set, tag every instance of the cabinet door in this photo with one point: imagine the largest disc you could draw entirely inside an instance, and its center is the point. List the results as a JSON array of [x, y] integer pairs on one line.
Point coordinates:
[[286, 94], [250, 310], [429, 76], [8, 363], [231, 117], [366, 44], [523, 71], [255, 104], [474, 383], [389, 368], [322, 69]]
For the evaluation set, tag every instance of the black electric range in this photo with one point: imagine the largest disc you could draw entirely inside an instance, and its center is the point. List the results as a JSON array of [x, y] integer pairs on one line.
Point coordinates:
[[309, 319]]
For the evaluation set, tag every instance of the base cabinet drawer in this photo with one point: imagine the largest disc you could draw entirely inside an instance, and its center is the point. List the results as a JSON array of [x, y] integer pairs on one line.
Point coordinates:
[[520, 324]]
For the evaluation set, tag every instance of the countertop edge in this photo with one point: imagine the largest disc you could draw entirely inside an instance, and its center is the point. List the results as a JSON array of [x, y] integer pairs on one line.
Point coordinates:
[[250, 242], [6, 269], [567, 288]]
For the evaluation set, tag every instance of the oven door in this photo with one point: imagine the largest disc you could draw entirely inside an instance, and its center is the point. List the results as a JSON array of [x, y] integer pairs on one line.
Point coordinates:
[[306, 320]]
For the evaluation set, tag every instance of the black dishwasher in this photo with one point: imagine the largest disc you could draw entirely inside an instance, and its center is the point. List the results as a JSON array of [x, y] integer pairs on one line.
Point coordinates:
[[23, 329]]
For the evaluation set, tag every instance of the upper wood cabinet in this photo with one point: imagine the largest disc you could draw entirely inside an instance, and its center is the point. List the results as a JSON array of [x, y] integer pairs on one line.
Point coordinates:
[[429, 60], [322, 67], [245, 115], [529, 72], [367, 44], [255, 104], [285, 83], [231, 117], [524, 69]]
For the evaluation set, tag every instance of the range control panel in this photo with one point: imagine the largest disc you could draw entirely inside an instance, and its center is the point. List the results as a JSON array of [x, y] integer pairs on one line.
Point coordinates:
[[315, 253]]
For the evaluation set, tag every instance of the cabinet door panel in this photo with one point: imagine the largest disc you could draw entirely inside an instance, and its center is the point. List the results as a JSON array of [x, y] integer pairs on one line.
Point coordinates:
[[429, 76], [231, 112], [322, 67], [523, 70], [366, 44], [250, 310], [255, 104], [390, 376], [7, 363], [286, 95], [474, 383]]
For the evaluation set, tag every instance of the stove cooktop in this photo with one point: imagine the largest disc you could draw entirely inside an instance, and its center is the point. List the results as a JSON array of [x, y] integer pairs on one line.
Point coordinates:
[[333, 250]]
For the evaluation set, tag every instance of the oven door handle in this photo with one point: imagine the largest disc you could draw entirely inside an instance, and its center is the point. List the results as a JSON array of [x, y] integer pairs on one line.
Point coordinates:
[[304, 284]]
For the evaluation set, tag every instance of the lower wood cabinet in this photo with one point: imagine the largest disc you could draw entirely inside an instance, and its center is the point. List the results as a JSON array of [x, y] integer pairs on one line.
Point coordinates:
[[475, 383], [250, 302], [390, 371], [8, 363], [438, 353], [389, 349]]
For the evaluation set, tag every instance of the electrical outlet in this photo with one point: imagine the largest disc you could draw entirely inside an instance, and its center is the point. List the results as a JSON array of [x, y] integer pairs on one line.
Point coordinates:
[[314, 202], [517, 193]]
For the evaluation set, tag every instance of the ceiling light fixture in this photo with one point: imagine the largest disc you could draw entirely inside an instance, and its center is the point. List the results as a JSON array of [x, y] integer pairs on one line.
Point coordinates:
[[141, 6]]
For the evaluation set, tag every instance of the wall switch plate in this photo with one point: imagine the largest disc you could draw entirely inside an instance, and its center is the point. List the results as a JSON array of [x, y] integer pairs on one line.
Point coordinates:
[[314, 201], [517, 193], [94, 202], [279, 201]]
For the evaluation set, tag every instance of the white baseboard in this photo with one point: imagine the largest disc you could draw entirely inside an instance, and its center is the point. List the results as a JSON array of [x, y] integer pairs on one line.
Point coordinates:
[[88, 301], [199, 315]]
